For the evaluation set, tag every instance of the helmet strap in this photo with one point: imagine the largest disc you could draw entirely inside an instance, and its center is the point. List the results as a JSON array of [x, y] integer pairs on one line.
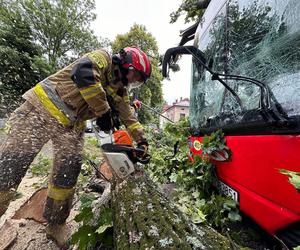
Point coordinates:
[[120, 75], [122, 54], [116, 59], [124, 73]]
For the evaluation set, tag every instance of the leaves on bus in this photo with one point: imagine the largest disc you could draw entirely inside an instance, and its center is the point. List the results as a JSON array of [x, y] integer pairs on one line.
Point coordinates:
[[294, 178]]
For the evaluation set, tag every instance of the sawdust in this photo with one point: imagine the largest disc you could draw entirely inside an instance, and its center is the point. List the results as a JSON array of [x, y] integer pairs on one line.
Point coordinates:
[[25, 190], [30, 234]]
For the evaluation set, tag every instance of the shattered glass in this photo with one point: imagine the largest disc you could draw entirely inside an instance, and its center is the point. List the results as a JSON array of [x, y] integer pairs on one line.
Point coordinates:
[[258, 39]]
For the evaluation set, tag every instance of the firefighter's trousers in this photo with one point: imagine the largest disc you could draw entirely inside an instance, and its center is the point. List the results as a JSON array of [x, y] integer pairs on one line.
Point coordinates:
[[30, 130]]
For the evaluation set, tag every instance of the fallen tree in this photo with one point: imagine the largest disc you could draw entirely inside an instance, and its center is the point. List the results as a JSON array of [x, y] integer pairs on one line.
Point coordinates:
[[145, 219]]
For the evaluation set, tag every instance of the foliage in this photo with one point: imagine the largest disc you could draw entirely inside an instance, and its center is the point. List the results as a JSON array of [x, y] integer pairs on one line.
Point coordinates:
[[92, 230], [215, 141], [22, 64], [294, 178], [42, 165], [91, 152], [195, 193], [61, 27], [192, 9], [190, 204], [32, 29], [150, 93], [219, 210]]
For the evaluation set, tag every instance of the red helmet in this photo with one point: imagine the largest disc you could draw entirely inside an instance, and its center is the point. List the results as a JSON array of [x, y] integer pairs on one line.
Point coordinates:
[[137, 59]]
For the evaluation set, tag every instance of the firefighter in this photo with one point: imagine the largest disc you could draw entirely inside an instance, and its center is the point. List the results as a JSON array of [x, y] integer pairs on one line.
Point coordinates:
[[56, 109]]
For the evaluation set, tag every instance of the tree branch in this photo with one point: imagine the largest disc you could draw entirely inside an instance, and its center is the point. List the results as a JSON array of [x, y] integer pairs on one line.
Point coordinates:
[[201, 4]]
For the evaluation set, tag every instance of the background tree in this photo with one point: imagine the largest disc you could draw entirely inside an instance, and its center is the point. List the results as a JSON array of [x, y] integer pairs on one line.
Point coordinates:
[[150, 93], [62, 28], [193, 10], [36, 38], [22, 64]]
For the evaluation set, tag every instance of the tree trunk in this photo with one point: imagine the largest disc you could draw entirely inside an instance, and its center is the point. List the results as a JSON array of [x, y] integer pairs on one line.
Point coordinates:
[[145, 219]]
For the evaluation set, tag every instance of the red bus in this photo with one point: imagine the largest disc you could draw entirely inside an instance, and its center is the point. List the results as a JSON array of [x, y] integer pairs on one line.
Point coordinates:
[[246, 81]]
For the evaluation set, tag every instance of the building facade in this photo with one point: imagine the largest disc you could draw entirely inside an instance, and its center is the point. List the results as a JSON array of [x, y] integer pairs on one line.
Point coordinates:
[[179, 109]]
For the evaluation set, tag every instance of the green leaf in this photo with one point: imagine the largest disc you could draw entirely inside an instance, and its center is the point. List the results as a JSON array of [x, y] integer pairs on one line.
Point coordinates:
[[85, 236], [234, 216], [200, 202], [196, 194], [106, 214], [87, 199], [294, 178], [103, 227], [105, 220], [229, 204], [198, 217], [173, 177], [85, 215]]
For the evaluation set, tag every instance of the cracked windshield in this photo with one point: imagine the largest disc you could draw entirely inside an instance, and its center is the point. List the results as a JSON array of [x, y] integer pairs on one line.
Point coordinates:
[[257, 39]]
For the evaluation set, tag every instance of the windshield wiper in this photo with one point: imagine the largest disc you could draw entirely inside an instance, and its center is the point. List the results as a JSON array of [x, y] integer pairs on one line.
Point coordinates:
[[272, 110]]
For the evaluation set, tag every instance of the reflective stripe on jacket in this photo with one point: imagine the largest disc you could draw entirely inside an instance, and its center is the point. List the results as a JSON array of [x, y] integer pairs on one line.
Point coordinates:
[[51, 101]]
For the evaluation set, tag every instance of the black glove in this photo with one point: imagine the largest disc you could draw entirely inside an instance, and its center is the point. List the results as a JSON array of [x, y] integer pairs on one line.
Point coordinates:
[[144, 146], [104, 122]]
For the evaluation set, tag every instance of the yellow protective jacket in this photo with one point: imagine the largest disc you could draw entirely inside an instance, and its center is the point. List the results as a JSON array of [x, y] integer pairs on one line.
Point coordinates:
[[79, 92]]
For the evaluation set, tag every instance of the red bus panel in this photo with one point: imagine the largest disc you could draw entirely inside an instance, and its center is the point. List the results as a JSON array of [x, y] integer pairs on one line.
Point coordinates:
[[253, 171]]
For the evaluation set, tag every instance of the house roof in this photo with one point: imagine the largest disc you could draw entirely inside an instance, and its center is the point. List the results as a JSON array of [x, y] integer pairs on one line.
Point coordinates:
[[181, 103], [184, 102]]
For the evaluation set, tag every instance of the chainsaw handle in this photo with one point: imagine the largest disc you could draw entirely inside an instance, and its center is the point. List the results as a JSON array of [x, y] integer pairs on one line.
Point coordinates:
[[146, 159], [130, 151]]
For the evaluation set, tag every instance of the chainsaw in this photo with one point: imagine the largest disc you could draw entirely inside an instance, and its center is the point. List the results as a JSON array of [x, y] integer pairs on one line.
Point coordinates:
[[121, 155]]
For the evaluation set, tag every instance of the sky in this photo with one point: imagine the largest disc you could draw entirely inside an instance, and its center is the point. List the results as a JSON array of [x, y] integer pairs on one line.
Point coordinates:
[[118, 16]]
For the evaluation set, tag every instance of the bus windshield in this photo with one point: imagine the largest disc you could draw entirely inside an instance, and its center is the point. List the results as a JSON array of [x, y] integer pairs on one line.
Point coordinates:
[[258, 39]]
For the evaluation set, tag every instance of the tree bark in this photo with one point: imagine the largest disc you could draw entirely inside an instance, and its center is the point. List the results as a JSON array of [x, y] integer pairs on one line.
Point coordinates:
[[145, 219]]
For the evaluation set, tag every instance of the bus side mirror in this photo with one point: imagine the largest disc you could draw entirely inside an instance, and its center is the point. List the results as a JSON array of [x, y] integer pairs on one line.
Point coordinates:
[[172, 54]]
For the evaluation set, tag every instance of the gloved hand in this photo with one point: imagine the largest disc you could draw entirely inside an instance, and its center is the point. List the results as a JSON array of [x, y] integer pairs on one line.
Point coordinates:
[[144, 146], [105, 122], [137, 104]]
